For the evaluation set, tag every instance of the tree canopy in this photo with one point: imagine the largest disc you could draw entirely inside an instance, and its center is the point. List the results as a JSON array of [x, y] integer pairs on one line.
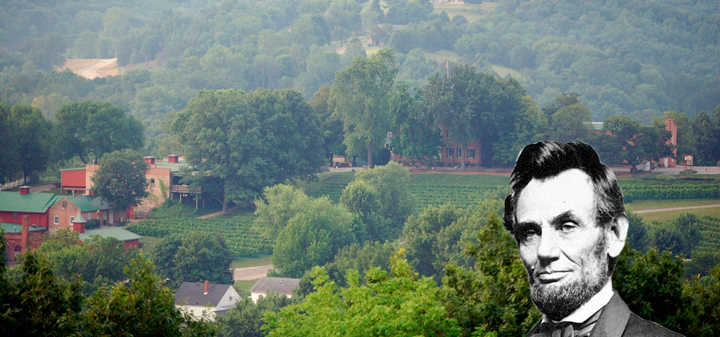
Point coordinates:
[[361, 95], [236, 143], [120, 179], [192, 258]]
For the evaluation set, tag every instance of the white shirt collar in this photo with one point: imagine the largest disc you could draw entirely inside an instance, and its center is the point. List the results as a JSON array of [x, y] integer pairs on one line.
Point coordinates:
[[597, 302]]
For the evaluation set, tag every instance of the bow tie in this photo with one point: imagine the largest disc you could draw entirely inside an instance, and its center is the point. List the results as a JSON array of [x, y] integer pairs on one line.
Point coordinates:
[[560, 329]]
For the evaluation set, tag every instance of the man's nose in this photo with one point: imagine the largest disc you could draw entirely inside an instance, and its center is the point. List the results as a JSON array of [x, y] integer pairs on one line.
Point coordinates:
[[548, 249]]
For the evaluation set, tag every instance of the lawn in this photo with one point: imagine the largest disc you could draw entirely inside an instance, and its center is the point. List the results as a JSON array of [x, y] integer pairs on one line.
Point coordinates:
[[243, 287], [262, 260]]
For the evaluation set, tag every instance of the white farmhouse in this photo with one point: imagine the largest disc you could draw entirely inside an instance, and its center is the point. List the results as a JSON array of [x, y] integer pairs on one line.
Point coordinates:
[[205, 300]]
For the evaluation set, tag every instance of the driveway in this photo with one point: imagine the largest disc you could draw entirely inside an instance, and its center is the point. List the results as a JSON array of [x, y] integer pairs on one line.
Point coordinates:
[[250, 273]]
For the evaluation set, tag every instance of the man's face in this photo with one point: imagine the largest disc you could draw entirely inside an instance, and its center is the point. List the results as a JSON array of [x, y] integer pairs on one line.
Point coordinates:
[[562, 248]]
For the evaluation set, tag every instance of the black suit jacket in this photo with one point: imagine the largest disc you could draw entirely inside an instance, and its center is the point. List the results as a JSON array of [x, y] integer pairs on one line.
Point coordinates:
[[616, 320]]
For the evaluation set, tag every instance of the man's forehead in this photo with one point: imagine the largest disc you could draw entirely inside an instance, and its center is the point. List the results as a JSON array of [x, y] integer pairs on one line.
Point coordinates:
[[570, 190]]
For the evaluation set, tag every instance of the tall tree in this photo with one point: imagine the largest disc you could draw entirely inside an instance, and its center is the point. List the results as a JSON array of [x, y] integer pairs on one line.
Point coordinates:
[[330, 124], [7, 143], [31, 139], [413, 135], [631, 142], [239, 143], [91, 129], [472, 105], [361, 95], [120, 180], [706, 129]]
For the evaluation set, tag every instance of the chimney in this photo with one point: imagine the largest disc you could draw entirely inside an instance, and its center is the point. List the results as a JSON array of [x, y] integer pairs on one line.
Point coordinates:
[[79, 223], [150, 160], [25, 233], [172, 158], [207, 286], [24, 190]]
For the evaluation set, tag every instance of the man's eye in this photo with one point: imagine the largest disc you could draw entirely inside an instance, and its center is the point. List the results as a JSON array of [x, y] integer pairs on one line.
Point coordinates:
[[567, 227]]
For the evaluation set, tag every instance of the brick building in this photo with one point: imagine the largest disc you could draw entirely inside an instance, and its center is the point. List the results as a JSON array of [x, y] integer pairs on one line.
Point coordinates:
[[14, 205], [64, 211]]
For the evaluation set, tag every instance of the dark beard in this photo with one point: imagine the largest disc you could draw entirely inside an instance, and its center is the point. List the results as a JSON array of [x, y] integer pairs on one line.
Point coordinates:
[[560, 303]]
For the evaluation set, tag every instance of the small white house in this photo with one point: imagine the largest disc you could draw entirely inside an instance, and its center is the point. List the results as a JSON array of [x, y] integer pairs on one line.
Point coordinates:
[[280, 285], [204, 300]]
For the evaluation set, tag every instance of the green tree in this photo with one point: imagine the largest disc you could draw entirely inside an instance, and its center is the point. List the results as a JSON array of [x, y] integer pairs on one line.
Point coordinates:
[[97, 261], [354, 257], [494, 298], [395, 202], [142, 307], [706, 129], [633, 143], [193, 258], [91, 129], [31, 139], [472, 105], [363, 200], [246, 318], [240, 143], [46, 52], [701, 312], [361, 95], [312, 237], [570, 123], [563, 100], [637, 236], [120, 180], [413, 135], [40, 304], [330, 125], [651, 285], [279, 204], [396, 304], [7, 143]]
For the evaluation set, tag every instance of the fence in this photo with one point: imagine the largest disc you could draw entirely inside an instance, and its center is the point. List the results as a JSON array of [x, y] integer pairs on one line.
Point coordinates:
[[12, 184]]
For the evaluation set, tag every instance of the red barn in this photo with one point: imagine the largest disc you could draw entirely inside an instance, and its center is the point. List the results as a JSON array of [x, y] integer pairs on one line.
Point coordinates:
[[73, 180], [14, 205]]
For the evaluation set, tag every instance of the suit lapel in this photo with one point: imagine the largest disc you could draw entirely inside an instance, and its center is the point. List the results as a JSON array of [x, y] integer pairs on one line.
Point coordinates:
[[613, 318]]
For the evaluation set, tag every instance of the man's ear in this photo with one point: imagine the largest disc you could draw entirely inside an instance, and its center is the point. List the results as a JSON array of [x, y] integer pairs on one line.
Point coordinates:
[[616, 233]]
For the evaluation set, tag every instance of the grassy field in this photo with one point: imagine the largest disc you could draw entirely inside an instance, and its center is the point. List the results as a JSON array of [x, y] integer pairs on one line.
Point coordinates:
[[243, 287], [639, 205], [663, 216], [471, 12]]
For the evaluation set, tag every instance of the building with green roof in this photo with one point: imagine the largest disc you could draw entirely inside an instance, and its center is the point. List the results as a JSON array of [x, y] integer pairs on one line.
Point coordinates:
[[13, 205], [128, 238]]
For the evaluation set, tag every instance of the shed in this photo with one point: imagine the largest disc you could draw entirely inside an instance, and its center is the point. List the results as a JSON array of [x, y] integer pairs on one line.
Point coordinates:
[[128, 238]]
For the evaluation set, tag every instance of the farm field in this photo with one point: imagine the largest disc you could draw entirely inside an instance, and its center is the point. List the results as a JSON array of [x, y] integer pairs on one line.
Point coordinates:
[[240, 238], [251, 249]]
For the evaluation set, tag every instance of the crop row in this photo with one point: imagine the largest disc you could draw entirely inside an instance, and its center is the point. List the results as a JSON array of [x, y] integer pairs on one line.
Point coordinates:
[[237, 232], [695, 191]]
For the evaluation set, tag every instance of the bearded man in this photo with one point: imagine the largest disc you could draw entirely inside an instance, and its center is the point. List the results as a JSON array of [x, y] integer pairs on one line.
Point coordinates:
[[567, 215]]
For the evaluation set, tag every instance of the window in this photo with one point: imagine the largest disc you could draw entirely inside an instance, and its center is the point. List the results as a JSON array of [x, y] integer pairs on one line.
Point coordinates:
[[72, 218], [470, 153], [57, 220], [450, 152], [459, 152], [89, 216], [104, 216], [14, 216]]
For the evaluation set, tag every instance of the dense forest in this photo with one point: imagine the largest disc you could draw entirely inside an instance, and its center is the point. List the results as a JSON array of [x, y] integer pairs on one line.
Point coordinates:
[[633, 58]]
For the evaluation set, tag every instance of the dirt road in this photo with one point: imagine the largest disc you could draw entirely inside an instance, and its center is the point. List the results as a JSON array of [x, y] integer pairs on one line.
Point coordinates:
[[250, 273], [92, 68]]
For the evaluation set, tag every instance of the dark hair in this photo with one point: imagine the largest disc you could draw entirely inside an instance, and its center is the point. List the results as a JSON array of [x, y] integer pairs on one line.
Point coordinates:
[[548, 159]]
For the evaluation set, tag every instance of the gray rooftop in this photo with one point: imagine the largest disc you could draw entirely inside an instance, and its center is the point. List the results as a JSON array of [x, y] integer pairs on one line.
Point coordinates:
[[193, 293], [281, 285]]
